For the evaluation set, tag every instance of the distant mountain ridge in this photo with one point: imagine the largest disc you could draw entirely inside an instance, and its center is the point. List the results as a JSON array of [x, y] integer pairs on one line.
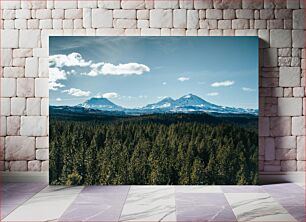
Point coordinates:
[[185, 104]]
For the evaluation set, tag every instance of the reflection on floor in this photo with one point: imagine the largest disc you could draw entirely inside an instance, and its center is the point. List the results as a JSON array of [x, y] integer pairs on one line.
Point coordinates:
[[40, 202]]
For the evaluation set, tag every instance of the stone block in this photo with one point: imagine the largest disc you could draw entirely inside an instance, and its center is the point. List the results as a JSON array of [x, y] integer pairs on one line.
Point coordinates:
[[203, 4], [125, 14], [293, 4], [280, 126], [240, 24], [73, 13], [41, 87], [186, 4], [18, 106], [143, 14], [33, 106], [13, 72], [5, 108], [34, 126], [298, 126], [19, 148], [229, 14], [45, 107], [160, 18], [142, 24], [125, 23], [298, 92], [18, 166], [227, 4], [25, 87], [132, 4], [20, 23], [9, 38], [13, 125], [298, 19], [42, 154], [252, 4], [10, 5], [301, 148], [289, 106], [150, 32], [31, 67], [6, 57], [66, 4], [86, 18], [224, 24], [109, 4], [214, 14], [298, 38], [192, 19], [102, 18], [179, 18], [285, 154], [58, 13], [34, 165], [288, 165], [264, 126], [245, 14], [22, 53], [29, 38], [280, 38], [45, 165], [285, 142], [42, 142], [289, 76], [43, 68], [8, 87], [269, 149], [3, 130], [165, 4], [301, 166]]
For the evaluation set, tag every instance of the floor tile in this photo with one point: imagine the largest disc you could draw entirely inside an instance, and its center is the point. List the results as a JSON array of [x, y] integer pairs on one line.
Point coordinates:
[[257, 207], [22, 187], [97, 203], [203, 207], [47, 205], [290, 199], [283, 188], [15, 194], [198, 189], [149, 203], [298, 212], [242, 189]]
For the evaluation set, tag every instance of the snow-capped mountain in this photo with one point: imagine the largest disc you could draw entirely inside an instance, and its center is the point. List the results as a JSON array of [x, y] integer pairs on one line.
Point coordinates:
[[193, 103], [100, 104], [185, 104]]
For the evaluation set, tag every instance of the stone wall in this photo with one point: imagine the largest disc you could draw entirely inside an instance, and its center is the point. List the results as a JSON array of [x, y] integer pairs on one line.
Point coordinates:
[[26, 26]]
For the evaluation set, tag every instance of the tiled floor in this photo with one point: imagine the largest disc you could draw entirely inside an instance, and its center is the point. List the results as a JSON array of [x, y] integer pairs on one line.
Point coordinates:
[[40, 202]]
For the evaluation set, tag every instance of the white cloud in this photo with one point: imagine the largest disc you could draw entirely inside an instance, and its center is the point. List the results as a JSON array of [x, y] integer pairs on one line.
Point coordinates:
[[73, 59], [56, 74], [58, 99], [224, 83], [246, 89], [164, 83], [109, 95], [183, 79], [121, 69], [77, 92], [213, 94]]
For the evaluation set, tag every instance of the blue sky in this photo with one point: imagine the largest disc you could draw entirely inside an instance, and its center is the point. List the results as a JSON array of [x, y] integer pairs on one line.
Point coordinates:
[[136, 71]]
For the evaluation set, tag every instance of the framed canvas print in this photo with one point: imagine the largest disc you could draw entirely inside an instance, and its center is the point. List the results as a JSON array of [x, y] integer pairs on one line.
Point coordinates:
[[153, 110]]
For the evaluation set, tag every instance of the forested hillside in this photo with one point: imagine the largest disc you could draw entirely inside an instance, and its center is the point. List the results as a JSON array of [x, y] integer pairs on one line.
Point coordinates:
[[156, 149]]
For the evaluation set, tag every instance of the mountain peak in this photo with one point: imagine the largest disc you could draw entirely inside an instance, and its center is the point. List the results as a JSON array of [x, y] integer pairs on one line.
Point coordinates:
[[100, 103]]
